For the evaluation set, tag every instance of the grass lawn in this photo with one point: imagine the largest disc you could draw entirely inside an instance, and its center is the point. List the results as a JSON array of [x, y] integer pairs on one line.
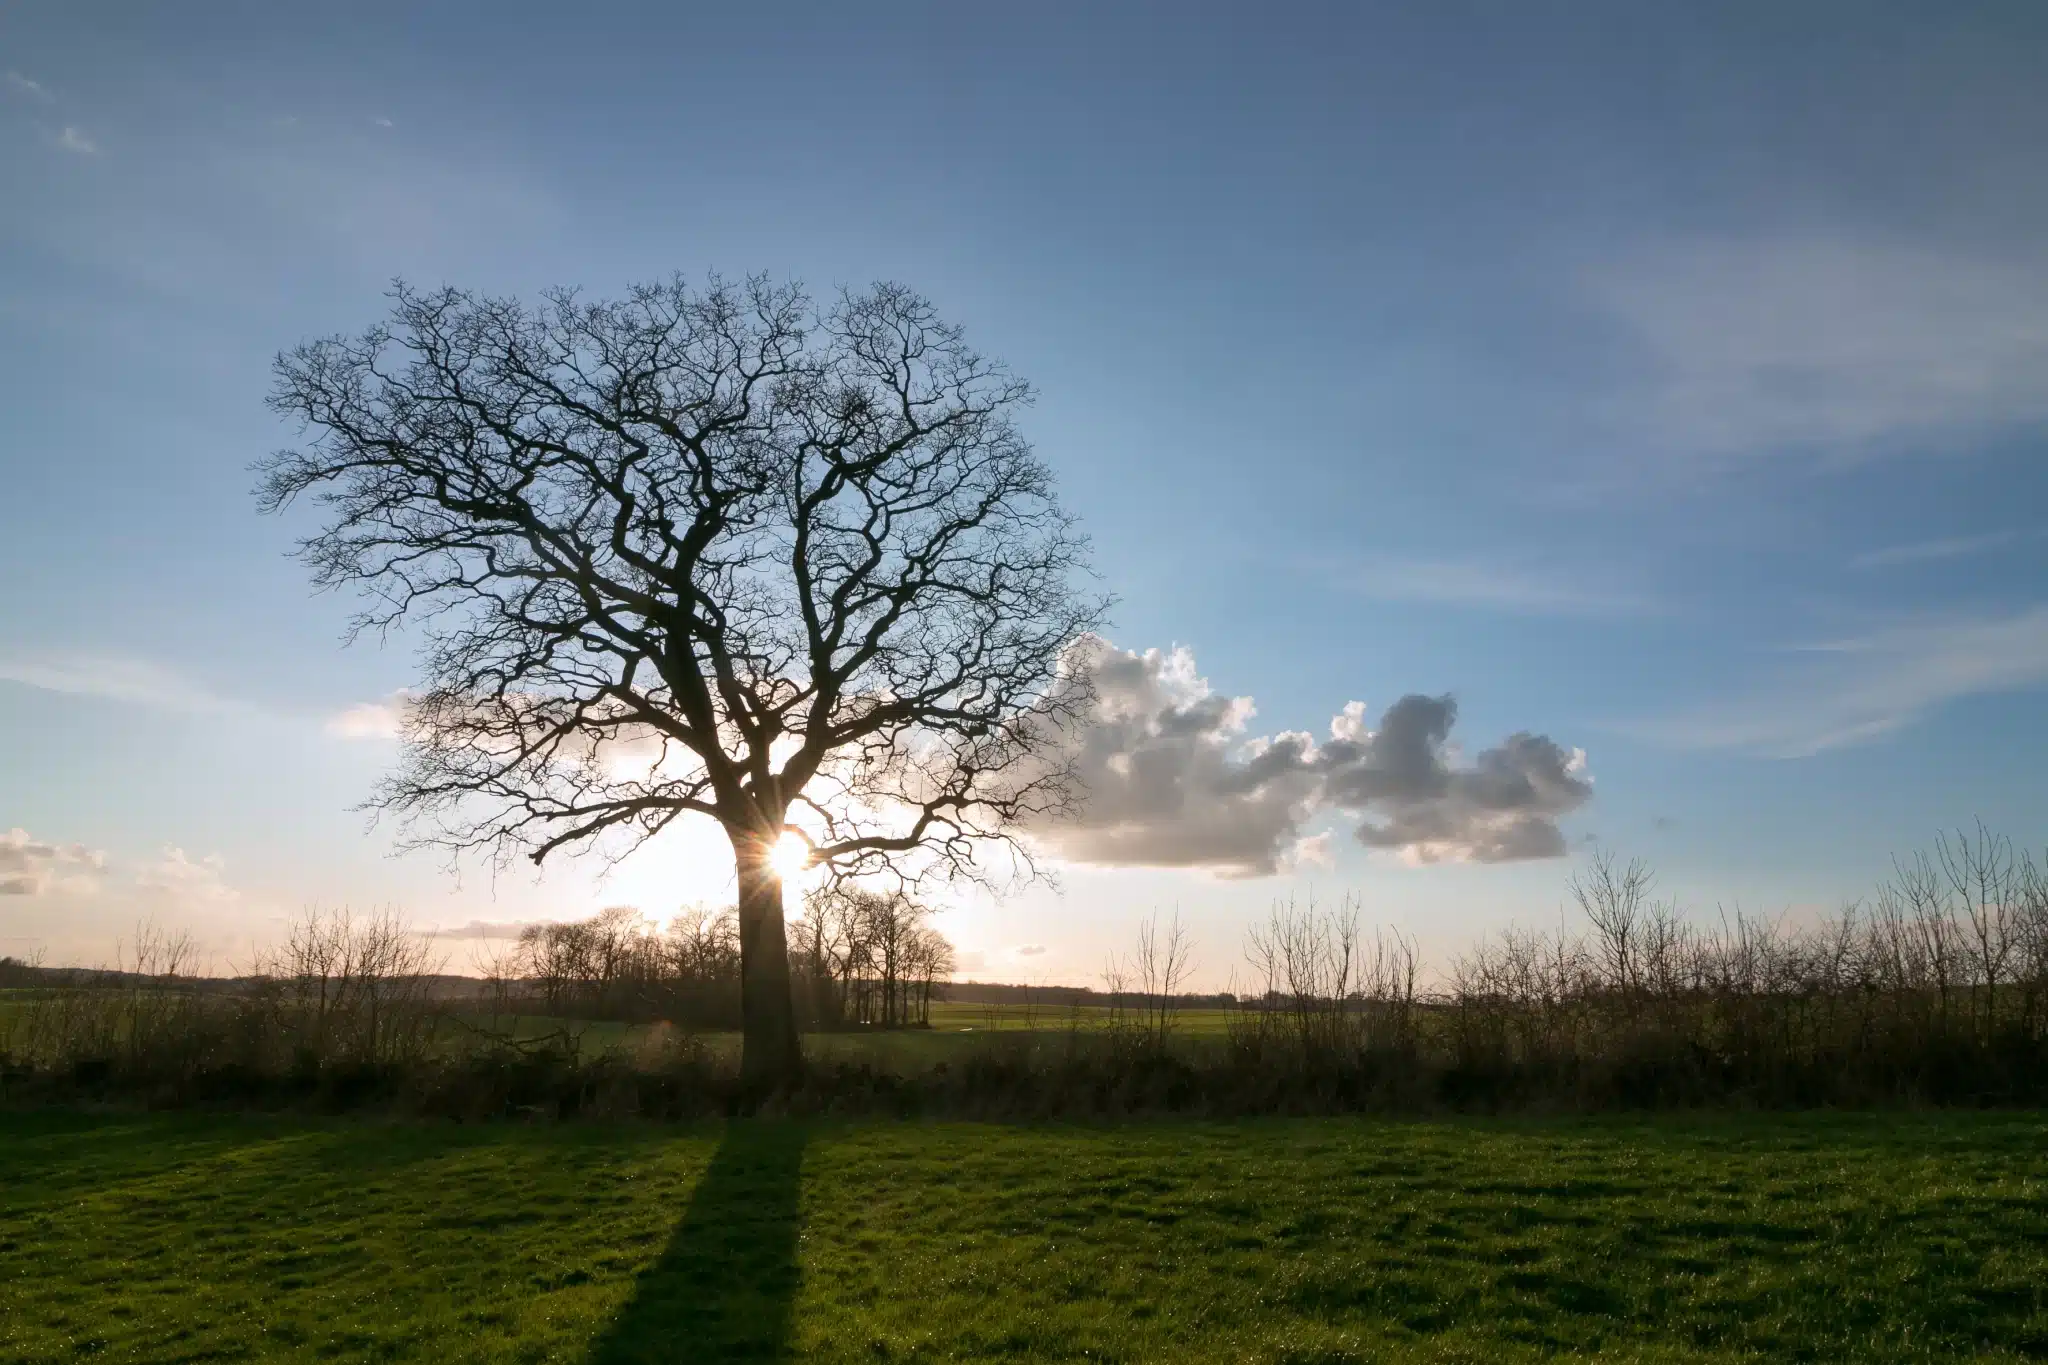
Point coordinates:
[[1893, 1237], [959, 1015]]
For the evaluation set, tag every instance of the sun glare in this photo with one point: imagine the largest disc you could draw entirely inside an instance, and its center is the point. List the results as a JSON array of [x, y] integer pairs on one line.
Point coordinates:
[[792, 855]]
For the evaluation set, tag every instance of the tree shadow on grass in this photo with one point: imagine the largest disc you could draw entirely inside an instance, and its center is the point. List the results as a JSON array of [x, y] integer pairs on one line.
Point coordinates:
[[725, 1288]]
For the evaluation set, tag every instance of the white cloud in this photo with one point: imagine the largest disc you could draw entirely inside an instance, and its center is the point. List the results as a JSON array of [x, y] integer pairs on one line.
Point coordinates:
[[1418, 802], [1827, 344], [1461, 584], [382, 122], [490, 929], [1170, 779], [370, 719], [1315, 850], [35, 867], [1850, 691], [75, 139], [113, 678], [187, 881], [18, 84]]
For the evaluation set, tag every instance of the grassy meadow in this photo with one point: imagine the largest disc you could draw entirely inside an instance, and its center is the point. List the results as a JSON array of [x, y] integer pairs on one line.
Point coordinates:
[[953, 1016], [187, 1238], [956, 1031]]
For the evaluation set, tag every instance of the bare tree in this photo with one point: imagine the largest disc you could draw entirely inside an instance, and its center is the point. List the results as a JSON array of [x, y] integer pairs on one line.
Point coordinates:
[[1616, 900], [870, 956], [720, 553], [1989, 884], [1161, 967], [932, 960]]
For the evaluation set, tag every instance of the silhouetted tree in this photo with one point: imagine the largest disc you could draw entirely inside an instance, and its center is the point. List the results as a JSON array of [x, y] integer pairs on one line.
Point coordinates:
[[717, 553], [870, 956]]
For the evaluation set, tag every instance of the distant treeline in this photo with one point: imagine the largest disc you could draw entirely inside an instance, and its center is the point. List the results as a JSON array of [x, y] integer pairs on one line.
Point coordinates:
[[20, 974], [1935, 991], [1060, 997], [859, 959]]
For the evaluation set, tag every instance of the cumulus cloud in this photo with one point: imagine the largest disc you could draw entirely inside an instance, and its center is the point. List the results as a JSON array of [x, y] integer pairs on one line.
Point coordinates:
[[1314, 851], [1759, 345], [1503, 807], [1171, 779], [1031, 950], [1170, 776], [191, 882], [35, 867], [75, 139]]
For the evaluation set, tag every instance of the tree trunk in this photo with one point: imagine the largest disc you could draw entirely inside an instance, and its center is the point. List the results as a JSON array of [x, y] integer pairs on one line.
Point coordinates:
[[770, 1050]]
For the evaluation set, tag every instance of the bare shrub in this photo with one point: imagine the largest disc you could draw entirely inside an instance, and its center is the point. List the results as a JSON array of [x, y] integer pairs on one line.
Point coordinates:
[[1933, 991], [1320, 989], [348, 989], [1143, 989]]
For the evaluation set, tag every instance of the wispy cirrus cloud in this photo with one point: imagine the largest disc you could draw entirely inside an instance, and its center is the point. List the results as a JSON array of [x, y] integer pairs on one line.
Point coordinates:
[[486, 930], [68, 137], [1837, 693], [24, 88], [1494, 587], [1841, 346], [114, 677], [1947, 547]]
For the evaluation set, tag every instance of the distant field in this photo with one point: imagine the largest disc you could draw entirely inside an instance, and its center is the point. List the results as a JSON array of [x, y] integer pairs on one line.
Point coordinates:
[[1817, 1238], [908, 1046], [954, 1016], [955, 1029]]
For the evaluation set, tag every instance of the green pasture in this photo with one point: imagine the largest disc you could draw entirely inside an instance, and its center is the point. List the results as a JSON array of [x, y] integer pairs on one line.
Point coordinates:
[[182, 1238], [951, 1016]]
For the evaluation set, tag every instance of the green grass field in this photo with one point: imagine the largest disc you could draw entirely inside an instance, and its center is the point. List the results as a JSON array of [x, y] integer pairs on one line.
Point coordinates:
[[950, 1016], [956, 1030], [1815, 1238]]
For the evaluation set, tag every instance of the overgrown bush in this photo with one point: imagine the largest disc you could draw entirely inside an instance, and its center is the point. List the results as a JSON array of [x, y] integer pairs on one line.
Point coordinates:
[[344, 993]]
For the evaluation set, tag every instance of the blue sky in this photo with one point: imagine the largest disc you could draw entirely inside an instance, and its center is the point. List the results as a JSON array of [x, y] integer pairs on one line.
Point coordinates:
[[1670, 381]]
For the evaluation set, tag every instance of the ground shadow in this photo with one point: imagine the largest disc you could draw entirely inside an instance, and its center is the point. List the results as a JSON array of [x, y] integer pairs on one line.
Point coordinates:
[[726, 1286]]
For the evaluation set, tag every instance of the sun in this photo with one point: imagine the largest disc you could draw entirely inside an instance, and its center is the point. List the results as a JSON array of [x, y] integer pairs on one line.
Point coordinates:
[[791, 856]]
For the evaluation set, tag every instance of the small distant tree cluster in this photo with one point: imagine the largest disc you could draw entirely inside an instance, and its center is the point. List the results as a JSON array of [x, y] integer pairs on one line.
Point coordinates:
[[619, 965], [858, 957], [869, 957]]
